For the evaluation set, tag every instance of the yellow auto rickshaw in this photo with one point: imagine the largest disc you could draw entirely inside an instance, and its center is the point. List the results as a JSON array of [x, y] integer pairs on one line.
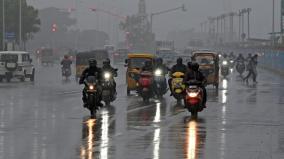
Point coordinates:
[[82, 60], [209, 65], [134, 63]]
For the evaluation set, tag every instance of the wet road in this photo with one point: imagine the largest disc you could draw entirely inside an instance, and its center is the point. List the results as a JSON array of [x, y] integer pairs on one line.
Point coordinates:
[[45, 120]]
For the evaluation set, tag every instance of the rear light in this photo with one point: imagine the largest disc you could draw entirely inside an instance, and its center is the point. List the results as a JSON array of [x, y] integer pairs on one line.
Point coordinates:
[[193, 101], [193, 94]]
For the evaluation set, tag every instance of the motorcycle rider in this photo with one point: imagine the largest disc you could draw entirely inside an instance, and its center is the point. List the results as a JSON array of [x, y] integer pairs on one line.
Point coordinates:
[[92, 70], [66, 62], [195, 74], [178, 67], [159, 64], [232, 56], [147, 66], [240, 58], [107, 67]]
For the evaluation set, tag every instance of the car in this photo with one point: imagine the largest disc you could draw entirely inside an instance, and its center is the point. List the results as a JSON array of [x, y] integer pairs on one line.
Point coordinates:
[[16, 64]]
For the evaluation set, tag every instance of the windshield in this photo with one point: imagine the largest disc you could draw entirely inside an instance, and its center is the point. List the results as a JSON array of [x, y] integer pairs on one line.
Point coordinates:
[[137, 62], [9, 57], [204, 60]]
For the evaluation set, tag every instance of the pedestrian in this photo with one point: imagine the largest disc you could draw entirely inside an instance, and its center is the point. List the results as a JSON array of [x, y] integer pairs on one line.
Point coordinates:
[[251, 68]]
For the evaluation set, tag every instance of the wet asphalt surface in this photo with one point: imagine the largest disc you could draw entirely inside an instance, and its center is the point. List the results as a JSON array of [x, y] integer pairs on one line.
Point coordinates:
[[46, 120]]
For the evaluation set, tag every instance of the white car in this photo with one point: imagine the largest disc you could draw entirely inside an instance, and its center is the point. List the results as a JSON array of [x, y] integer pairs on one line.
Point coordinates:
[[16, 64]]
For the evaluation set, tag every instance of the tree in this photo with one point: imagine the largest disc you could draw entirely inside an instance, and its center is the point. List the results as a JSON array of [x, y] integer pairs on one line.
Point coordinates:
[[30, 20]]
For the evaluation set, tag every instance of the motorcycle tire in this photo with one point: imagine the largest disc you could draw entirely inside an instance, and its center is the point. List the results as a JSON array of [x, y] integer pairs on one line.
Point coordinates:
[[194, 114]]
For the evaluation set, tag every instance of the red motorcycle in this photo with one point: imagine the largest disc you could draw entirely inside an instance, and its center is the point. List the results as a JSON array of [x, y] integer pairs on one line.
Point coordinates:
[[194, 98], [145, 85]]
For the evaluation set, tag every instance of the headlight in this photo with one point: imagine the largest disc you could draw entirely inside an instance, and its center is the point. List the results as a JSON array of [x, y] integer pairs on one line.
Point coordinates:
[[220, 55], [232, 61], [193, 94], [91, 87], [225, 63], [158, 72], [107, 75]]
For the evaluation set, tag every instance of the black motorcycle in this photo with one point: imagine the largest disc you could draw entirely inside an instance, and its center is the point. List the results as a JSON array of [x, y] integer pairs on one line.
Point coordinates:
[[66, 72], [240, 67], [160, 83], [92, 93], [108, 90]]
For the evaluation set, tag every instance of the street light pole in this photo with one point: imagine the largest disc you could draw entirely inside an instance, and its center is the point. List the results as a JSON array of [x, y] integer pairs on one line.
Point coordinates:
[[3, 24], [273, 21], [248, 11], [162, 12]]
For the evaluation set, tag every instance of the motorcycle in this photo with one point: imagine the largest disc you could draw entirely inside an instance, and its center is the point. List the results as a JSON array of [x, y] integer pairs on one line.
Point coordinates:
[[177, 86], [240, 67], [145, 85], [231, 63], [92, 94], [194, 98], [108, 91], [66, 72], [225, 69], [160, 83]]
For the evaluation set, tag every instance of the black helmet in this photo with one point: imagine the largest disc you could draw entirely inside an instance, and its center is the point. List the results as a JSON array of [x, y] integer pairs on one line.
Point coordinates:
[[106, 61], [159, 60], [92, 62], [148, 63], [195, 66], [189, 65], [179, 60]]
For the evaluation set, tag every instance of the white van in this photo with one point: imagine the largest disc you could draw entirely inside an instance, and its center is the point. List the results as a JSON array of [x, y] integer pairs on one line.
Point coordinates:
[[16, 64]]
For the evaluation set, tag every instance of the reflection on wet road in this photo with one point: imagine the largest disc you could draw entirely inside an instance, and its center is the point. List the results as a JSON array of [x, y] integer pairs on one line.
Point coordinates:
[[45, 120]]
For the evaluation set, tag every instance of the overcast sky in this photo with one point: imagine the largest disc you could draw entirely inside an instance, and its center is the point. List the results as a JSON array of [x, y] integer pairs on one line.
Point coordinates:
[[198, 11]]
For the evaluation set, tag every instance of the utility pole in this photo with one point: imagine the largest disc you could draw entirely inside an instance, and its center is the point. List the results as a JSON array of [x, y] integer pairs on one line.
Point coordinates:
[[3, 25], [20, 24]]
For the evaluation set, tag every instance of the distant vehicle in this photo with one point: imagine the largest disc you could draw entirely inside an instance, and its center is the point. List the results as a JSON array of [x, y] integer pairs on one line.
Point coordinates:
[[167, 55], [47, 57], [16, 64], [109, 48], [82, 60], [120, 55]]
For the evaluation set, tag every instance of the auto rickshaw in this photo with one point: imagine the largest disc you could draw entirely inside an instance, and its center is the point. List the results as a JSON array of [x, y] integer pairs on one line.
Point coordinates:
[[82, 60], [209, 66], [134, 63]]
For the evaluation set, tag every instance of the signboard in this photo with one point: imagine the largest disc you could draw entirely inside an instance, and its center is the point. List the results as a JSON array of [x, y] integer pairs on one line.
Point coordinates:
[[10, 36]]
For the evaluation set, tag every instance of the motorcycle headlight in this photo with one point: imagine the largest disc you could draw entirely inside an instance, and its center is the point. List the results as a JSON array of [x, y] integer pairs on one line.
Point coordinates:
[[193, 94], [91, 87], [232, 61], [158, 72], [224, 63], [107, 75]]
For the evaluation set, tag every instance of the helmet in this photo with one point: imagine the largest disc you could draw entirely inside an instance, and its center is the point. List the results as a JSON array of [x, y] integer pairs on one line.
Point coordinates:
[[195, 66], [106, 61], [179, 60], [189, 65], [159, 61], [148, 63], [92, 62]]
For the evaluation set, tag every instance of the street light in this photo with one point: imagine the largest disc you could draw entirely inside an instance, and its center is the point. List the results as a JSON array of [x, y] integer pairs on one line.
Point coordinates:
[[183, 8], [3, 24]]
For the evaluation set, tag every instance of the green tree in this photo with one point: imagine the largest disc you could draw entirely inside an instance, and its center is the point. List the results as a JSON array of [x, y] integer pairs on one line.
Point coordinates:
[[30, 20]]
